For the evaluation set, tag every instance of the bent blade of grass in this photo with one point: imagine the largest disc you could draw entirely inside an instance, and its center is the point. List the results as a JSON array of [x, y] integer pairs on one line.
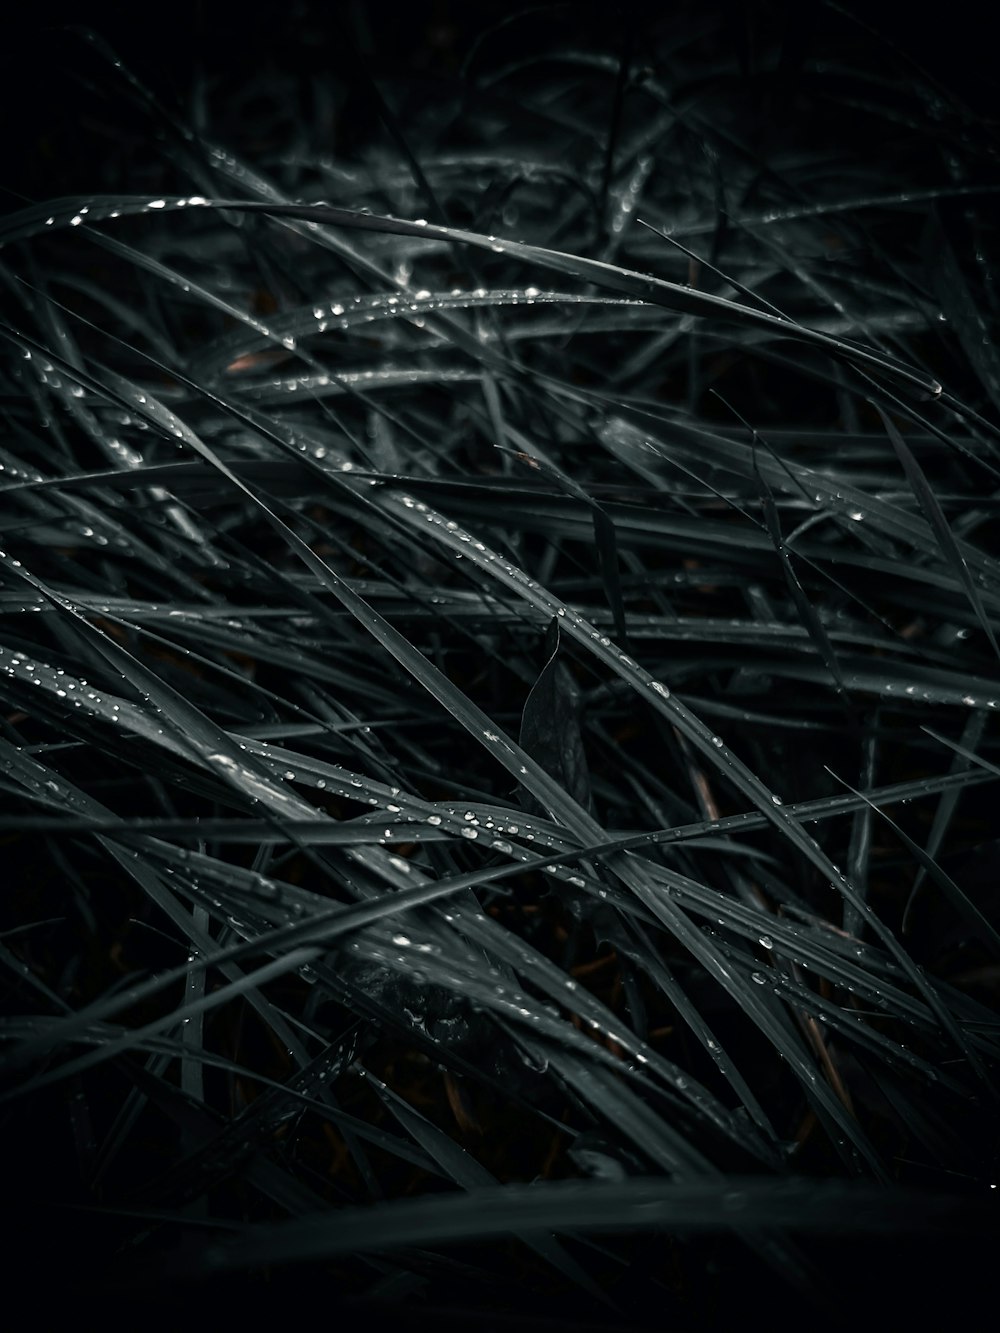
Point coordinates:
[[807, 613], [605, 537], [30, 221], [550, 724], [935, 517], [963, 904]]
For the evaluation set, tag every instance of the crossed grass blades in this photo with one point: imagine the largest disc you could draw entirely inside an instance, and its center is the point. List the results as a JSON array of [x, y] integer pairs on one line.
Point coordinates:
[[498, 643]]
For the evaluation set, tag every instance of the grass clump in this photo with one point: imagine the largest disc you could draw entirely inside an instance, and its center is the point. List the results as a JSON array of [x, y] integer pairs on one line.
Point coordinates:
[[498, 628]]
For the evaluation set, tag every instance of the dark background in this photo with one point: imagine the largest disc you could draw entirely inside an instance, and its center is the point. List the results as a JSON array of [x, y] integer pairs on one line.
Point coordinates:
[[45, 144]]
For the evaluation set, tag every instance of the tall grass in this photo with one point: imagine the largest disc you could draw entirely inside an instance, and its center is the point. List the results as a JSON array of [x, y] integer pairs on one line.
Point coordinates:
[[498, 627]]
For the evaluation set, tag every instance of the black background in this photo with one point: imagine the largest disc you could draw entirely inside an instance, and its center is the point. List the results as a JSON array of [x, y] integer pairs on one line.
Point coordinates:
[[169, 45]]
